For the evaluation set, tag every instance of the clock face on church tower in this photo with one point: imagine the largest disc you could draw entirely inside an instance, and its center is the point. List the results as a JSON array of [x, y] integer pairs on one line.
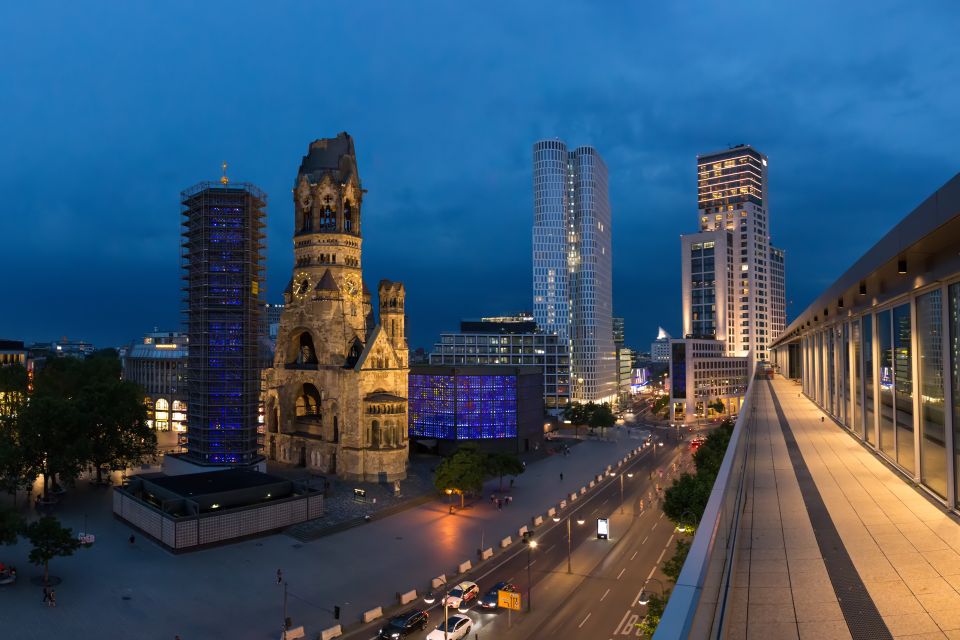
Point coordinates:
[[350, 286], [302, 285]]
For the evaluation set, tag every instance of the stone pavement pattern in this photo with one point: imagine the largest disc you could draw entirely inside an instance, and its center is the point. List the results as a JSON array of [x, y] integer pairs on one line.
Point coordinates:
[[905, 549], [117, 590]]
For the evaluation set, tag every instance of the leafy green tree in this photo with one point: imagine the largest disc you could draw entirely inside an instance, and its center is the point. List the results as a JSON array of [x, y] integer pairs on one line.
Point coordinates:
[[672, 567], [717, 405], [11, 524], [113, 418], [49, 441], [461, 473], [687, 493], [601, 417], [577, 414], [49, 539], [648, 626], [709, 456], [503, 464]]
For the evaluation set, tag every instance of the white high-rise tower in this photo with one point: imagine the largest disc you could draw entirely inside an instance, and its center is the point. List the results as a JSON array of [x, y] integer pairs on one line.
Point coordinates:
[[572, 263]]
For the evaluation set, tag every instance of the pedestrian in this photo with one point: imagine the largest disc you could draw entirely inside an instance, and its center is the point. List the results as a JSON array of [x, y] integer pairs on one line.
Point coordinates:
[[509, 500], [821, 418], [561, 476], [46, 595], [493, 497], [53, 598], [279, 576], [511, 483], [133, 539], [499, 504]]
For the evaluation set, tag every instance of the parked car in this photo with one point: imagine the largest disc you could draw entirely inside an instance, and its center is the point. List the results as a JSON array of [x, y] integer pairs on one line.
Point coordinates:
[[489, 601], [405, 624], [457, 627], [462, 595]]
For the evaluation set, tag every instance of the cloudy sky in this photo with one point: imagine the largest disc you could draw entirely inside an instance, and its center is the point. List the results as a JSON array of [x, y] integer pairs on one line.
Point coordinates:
[[108, 110]]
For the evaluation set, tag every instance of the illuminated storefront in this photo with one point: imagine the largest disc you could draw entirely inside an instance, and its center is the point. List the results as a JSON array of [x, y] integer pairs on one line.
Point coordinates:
[[159, 364]]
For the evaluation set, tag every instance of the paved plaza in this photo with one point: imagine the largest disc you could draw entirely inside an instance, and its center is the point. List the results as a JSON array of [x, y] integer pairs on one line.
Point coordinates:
[[895, 560], [115, 589]]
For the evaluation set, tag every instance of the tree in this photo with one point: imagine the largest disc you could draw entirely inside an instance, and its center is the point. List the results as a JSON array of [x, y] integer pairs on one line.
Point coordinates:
[[49, 540], [461, 473], [11, 524], [113, 418], [717, 405], [709, 456], [672, 567], [648, 626], [688, 493], [503, 464], [577, 414], [601, 417], [49, 441], [14, 384]]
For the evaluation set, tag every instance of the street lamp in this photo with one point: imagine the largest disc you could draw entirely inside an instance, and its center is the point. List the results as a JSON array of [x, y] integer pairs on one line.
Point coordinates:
[[531, 544], [682, 525], [579, 521], [644, 598]]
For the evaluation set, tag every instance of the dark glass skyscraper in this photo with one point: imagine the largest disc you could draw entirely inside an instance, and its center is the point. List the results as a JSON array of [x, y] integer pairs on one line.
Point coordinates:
[[222, 245]]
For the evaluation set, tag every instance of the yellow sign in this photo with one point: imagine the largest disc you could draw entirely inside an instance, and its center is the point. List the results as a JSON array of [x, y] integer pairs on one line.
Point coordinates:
[[508, 600]]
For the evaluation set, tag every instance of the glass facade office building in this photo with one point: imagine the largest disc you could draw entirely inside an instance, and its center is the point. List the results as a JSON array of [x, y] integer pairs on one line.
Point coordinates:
[[880, 350], [572, 263]]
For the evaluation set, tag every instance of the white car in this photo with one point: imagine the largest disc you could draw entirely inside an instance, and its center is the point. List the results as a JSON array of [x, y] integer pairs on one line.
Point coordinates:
[[457, 627], [462, 595]]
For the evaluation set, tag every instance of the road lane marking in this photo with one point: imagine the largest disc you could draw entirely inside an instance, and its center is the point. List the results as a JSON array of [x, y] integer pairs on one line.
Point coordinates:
[[548, 548], [661, 517], [622, 620], [580, 626], [636, 600], [604, 595], [654, 526], [634, 555], [652, 571], [620, 575], [644, 541]]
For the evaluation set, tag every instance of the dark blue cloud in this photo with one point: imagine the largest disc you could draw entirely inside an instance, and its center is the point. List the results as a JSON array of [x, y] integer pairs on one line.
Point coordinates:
[[108, 111]]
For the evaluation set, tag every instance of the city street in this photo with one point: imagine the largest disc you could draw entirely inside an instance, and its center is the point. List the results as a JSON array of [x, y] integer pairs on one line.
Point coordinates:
[[599, 596]]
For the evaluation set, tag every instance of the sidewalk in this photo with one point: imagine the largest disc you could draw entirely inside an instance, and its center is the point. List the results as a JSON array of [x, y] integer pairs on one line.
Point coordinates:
[[232, 590], [901, 575]]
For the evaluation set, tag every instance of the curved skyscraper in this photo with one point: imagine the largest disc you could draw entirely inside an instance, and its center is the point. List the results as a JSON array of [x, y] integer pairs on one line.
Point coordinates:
[[572, 263]]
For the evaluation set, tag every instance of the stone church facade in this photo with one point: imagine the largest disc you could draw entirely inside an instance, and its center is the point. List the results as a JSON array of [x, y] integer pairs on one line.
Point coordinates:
[[336, 399]]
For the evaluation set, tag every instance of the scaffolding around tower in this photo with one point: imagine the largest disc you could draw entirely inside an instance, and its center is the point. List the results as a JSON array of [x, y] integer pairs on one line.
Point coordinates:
[[222, 261]]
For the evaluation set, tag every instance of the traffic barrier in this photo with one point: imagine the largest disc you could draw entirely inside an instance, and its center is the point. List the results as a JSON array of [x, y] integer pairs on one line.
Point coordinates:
[[332, 632], [609, 467], [552, 512], [599, 478], [506, 542], [522, 531], [573, 496], [486, 554], [464, 566], [537, 521], [368, 616], [583, 490], [438, 582], [563, 504], [293, 633], [408, 597], [592, 484]]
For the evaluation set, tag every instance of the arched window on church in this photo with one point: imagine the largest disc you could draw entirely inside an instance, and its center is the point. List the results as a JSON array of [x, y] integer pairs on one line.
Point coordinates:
[[328, 221], [347, 216], [375, 440]]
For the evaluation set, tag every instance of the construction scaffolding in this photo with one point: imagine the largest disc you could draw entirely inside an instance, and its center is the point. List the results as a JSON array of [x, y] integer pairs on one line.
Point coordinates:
[[222, 256]]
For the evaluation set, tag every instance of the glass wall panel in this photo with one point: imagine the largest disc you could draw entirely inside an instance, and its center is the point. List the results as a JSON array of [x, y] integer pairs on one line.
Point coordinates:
[[954, 320], [869, 423], [903, 384], [845, 374], [933, 451], [857, 424], [831, 375], [885, 369]]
